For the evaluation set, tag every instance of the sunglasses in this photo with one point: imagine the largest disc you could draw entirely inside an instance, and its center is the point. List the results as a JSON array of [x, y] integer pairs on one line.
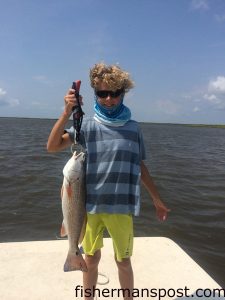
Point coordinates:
[[105, 94]]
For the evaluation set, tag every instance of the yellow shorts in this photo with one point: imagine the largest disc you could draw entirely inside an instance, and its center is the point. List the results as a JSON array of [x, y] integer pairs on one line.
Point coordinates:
[[119, 227]]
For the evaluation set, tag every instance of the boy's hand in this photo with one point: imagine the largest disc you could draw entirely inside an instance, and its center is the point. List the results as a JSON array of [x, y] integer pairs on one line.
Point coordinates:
[[71, 101], [161, 211]]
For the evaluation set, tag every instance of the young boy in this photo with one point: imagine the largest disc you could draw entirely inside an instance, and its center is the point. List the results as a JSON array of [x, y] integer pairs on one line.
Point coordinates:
[[115, 154]]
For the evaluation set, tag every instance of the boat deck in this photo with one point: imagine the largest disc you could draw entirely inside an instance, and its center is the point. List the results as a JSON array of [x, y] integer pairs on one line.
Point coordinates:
[[34, 271]]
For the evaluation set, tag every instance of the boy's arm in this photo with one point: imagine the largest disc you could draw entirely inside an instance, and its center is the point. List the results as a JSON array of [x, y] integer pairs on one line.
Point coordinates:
[[58, 140], [161, 209]]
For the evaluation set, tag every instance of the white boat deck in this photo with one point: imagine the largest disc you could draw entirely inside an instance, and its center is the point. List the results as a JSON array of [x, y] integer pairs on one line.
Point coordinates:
[[34, 271]]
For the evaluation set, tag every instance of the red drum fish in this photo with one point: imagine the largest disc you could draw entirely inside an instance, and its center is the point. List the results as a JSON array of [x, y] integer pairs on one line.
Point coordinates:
[[73, 207]]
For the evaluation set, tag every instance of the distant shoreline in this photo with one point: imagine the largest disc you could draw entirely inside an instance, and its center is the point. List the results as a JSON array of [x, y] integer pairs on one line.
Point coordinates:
[[182, 124]]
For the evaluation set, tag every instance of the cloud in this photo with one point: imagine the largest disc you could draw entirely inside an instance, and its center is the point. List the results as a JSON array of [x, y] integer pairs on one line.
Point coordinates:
[[39, 77], [215, 101], [2, 93], [217, 85], [216, 93], [39, 105], [199, 5], [9, 102], [196, 109], [220, 18], [168, 107], [6, 101], [210, 97], [35, 103], [3, 98], [42, 79], [13, 102]]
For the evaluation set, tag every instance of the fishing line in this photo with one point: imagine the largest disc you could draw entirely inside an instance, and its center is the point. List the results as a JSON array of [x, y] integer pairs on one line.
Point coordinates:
[[102, 283], [105, 277]]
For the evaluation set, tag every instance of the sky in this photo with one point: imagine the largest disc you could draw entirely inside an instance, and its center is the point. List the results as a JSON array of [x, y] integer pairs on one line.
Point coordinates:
[[173, 49]]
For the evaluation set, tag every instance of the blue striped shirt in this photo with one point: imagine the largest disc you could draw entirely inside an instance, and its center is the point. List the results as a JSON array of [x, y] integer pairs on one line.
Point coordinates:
[[113, 171]]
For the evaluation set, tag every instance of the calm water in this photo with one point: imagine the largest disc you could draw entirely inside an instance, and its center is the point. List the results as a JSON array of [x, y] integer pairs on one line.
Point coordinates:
[[187, 163]]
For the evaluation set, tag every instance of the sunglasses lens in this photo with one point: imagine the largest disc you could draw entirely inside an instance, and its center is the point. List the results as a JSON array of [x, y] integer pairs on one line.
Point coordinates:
[[104, 94], [116, 93]]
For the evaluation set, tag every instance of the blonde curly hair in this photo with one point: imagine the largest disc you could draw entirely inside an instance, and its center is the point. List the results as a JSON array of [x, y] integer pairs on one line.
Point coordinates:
[[112, 75]]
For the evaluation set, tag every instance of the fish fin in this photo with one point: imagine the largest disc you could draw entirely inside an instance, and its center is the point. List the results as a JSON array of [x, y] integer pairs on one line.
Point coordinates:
[[63, 232], [83, 230], [75, 263]]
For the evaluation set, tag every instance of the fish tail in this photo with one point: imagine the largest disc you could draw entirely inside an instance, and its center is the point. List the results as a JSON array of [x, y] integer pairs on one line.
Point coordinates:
[[75, 262]]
